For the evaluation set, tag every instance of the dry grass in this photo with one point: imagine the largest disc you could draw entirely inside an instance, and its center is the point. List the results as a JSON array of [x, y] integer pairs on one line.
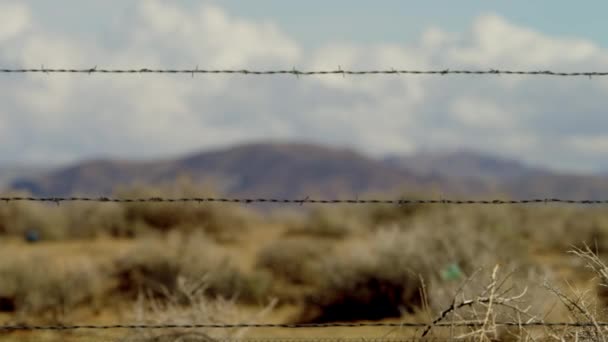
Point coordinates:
[[361, 288], [295, 261], [339, 223], [184, 263], [156, 266], [384, 270], [323, 224], [130, 220], [190, 304], [39, 286]]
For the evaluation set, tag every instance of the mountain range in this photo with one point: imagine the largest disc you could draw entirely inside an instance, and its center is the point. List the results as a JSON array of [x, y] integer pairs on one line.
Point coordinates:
[[300, 169]]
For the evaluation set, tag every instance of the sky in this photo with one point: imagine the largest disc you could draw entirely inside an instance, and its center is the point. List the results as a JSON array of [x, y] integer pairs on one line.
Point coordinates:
[[553, 122]]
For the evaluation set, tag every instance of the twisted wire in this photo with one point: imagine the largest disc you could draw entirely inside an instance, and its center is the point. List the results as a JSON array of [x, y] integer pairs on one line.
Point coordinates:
[[293, 326], [295, 72], [307, 200]]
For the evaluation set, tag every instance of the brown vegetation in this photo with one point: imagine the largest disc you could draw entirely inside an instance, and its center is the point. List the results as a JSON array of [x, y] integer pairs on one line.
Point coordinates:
[[187, 263]]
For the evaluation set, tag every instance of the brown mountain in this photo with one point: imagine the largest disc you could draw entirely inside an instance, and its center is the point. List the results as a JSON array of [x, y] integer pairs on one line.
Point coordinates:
[[9, 172], [505, 176], [465, 164], [296, 169], [264, 169]]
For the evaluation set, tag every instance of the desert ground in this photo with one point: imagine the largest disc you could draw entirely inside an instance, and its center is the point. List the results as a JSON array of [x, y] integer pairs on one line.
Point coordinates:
[[108, 263]]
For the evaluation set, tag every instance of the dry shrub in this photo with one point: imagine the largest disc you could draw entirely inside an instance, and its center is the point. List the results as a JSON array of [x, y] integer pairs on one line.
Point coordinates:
[[155, 266], [361, 281], [12, 218], [293, 260], [583, 305], [51, 221], [223, 222], [361, 288], [379, 215], [486, 301], [570, 227], [516, 300], [91, 220], [17, 218], [383, 270], [598, 267], [430, 243], [190, 304], [339, 223], [324, 223], [549, 228], [42, 286]]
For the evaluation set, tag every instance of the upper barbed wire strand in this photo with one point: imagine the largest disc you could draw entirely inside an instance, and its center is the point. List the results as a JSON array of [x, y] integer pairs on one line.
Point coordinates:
[[339, 71]]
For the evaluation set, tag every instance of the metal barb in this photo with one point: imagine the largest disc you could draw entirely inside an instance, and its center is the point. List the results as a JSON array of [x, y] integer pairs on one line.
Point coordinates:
[[341, 71], [295, 72], [304, 200]]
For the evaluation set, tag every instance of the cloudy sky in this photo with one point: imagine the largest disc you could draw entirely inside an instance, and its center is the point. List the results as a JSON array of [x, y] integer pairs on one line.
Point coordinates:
[[557, 122]]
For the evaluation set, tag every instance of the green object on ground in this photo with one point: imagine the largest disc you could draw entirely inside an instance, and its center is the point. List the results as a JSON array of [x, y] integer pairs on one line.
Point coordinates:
[[452, 272]]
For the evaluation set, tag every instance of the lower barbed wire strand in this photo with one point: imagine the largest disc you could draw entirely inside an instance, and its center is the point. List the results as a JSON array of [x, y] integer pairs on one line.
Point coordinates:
[[294, 326], [299, 201]]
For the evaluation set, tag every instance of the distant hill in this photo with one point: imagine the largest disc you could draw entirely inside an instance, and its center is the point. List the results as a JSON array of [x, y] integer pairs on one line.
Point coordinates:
[[8, 173], [505, 176], [267, 169], [297, 169], [463, 164]]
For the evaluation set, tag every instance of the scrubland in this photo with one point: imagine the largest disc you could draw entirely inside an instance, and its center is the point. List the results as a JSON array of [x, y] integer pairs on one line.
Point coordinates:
[[105, 263]]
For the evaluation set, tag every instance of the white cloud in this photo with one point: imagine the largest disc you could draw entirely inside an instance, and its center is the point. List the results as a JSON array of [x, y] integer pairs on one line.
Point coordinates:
[[72, 116], [596, 145], [482, 114], [495, 42], [207, 36], [14, 19]]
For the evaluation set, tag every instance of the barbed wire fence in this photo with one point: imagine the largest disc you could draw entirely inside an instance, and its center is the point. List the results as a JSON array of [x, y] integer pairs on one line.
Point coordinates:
[[307, 200]]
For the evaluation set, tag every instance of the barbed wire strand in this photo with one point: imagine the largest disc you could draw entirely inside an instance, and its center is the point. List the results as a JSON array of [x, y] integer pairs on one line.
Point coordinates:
[[306, 200], [297, 73], [316, 339], [292, 326], [320, 339], [334, 339]]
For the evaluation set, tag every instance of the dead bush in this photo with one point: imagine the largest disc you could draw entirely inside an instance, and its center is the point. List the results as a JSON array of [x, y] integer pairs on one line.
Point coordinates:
[[293, 260], [41, 286], [91, 220], [355, 289], [50, 221], [382, 214], [383, 270], [155, 266], [190, 304], [218, 221], [324, 223], [17, 218]]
